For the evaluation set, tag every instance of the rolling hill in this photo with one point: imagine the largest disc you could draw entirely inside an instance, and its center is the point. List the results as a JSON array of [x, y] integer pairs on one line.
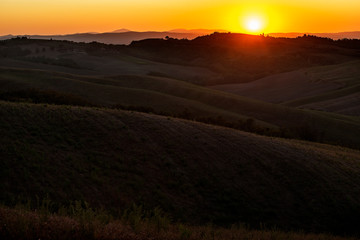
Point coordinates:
[[110, 126], [198, 173], [333, 88], [176, 98]]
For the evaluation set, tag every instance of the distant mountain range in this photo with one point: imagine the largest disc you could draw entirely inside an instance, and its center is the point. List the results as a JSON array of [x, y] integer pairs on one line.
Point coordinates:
[[126, 36], [109, 38], [121, 36]]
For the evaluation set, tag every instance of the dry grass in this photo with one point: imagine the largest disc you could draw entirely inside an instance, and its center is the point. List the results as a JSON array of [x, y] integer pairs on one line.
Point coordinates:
[[21, 224]]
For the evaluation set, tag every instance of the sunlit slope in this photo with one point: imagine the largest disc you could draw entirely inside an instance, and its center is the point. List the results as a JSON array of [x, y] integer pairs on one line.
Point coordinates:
[[198, 173], [333, 88], [172, 97]]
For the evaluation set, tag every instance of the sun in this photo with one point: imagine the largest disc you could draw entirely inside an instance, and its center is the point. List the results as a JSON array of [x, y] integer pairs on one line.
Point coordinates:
[[254, 24], [252, 19]]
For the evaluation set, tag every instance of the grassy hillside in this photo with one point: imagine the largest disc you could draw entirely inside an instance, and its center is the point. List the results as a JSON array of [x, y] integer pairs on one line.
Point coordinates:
[[282, 87], [69, 156], [242, 58], [218, 58], [177, 98], [342, 100], [333, 88], [93, 59], [197, 173]]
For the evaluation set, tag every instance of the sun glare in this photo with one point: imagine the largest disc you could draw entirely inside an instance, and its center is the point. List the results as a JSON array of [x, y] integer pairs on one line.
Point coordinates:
[[254, 24]]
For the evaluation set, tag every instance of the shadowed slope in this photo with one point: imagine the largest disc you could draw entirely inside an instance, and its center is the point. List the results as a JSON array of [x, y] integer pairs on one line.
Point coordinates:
[[333, 88], [196, 172], [173, 97]]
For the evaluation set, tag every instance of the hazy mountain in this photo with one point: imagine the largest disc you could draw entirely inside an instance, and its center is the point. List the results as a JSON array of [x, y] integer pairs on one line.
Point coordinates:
[[197, 31], [120, 36], [110, 38], [122, 30], [6, 37]]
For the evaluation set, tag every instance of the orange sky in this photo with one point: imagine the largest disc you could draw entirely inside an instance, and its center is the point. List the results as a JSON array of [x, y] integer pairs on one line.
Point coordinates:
[[70, 16]]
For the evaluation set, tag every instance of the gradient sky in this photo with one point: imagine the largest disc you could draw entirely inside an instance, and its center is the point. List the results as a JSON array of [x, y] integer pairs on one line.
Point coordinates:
[[71, 16]]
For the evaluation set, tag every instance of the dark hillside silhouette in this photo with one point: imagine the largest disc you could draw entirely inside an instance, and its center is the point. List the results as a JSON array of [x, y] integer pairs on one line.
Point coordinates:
[[244, 58], [130, 134], [195, 172], [334, 36]]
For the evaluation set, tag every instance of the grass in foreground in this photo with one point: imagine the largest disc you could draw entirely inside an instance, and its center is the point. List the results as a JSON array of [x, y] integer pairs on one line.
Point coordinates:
[[25, 224]]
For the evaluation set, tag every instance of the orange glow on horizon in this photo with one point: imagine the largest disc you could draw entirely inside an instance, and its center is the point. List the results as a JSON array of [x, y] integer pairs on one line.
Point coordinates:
[[72, 16]]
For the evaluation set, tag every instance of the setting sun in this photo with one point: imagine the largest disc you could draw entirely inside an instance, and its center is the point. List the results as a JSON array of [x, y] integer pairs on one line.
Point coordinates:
[[254, 24]]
